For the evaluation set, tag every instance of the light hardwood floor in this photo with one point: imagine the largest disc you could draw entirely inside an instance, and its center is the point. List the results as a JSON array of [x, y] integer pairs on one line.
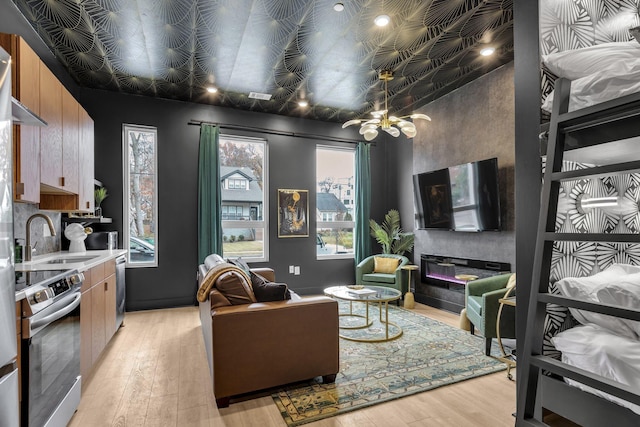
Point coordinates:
[[154, 373]]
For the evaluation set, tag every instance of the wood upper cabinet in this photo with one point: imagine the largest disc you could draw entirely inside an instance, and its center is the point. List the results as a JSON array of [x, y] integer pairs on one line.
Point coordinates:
[[70, 141], [51, 135], [53, 165], [25, 77], [85, 194]]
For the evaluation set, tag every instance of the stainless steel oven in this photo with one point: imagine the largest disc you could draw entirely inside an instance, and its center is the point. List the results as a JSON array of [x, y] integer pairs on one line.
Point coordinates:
[[51, 348]]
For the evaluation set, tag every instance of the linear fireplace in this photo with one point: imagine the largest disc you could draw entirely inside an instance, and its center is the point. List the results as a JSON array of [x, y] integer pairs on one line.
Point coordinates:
[[443, 279]]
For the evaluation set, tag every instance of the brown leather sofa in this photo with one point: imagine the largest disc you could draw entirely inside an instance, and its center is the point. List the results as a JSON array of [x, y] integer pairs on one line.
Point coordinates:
[[254, 346]]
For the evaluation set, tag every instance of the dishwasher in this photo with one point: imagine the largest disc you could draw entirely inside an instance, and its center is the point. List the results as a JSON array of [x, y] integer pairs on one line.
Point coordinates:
[[120, 290]]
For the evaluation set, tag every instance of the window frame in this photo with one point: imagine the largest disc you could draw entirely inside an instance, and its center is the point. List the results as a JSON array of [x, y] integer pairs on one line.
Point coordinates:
[[126, 129], [336, 224], [264, 223]]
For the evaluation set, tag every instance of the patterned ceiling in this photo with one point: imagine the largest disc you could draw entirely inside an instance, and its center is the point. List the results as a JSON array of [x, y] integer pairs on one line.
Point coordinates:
[[291, 49]]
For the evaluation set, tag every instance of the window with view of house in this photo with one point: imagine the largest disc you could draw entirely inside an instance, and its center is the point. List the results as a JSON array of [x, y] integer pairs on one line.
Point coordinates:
[[140, 189], [335, 205], [243, 164]]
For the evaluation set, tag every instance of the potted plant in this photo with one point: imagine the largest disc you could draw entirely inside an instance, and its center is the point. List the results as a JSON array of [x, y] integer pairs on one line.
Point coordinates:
[[390, 236], [99, 195]]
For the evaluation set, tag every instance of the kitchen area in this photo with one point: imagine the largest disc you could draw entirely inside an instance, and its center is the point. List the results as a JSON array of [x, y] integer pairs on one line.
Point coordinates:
[[62, 287]]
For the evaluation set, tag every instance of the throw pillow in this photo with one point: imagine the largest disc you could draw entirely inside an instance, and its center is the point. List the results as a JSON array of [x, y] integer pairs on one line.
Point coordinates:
[[241, 264], [266, 291], [385, 265]]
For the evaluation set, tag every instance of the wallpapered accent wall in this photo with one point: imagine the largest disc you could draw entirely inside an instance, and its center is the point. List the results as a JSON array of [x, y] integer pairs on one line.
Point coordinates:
[[574, 24], [580, 259]]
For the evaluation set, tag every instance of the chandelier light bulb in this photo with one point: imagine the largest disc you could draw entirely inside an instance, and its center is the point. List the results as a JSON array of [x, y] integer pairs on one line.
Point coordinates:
[[338, 7], [212, 89], [303, 103]]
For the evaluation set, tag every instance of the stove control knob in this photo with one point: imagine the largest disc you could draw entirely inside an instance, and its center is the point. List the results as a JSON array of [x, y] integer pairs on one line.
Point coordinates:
[[75, 279], [40, 296]]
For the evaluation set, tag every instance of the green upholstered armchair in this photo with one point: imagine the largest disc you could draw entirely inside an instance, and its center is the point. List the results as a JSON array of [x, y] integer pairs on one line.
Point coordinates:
[[366, 276], [481, 300]]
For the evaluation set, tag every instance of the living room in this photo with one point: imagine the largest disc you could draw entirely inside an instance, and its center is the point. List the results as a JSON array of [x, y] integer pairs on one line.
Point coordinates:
[[495, 115]]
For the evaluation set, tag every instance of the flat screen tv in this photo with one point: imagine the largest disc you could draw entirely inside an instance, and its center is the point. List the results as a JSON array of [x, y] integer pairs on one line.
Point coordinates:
[[464, 197]]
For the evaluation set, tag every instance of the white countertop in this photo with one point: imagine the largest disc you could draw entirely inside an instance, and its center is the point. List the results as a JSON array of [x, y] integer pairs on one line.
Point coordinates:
[[81, 261]]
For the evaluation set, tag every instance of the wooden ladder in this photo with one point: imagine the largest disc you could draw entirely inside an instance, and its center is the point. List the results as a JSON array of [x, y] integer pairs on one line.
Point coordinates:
[[537, 389]]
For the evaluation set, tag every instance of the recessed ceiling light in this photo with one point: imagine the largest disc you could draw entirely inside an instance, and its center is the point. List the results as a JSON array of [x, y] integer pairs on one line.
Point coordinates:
[[303, 103], [212, 89], [338, 7], [487, 51], [382, 20]]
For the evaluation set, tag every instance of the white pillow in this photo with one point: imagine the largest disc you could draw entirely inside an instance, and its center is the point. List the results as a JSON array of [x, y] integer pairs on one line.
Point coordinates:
[[618, 57], [598, 351], [625, 293], [598, 87], [586, 288]]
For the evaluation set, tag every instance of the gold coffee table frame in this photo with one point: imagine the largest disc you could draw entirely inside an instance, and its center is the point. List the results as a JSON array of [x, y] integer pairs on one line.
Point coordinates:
[[383, 296]]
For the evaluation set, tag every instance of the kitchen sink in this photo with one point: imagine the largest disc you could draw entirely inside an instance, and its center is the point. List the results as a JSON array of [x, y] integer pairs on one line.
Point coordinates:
[[69, 260]]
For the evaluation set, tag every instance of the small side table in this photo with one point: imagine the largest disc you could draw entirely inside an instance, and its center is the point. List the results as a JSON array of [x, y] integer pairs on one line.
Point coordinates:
[[508, 359], [409, 299]]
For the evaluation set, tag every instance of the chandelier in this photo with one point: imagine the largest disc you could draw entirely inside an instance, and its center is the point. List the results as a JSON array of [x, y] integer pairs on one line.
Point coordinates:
[[391, 124]]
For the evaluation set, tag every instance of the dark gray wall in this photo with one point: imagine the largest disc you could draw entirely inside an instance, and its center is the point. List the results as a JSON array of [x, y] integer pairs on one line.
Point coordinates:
[[472, 123], [291, 165], [528, 177]]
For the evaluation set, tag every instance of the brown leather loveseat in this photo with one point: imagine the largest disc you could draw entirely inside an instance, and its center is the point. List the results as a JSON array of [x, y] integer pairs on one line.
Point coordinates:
[[257, 345]]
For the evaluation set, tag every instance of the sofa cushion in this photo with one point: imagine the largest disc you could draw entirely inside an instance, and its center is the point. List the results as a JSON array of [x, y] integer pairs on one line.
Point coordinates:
[[379, 277], [474, 303], [266, 291], [234, 286], [230, 280], [385, 265]]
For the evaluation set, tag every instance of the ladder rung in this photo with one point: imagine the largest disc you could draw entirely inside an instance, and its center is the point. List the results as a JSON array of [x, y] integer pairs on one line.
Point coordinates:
[[599, 114], [590, 379], [627, 167], [611, 310], [592, 237]]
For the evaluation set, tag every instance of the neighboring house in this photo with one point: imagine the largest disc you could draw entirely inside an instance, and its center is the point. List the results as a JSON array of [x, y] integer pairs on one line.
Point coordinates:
[[329, 207], [241, 194]]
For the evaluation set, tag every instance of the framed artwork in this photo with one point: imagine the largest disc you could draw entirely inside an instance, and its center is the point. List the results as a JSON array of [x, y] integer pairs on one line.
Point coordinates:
[[293, 213]]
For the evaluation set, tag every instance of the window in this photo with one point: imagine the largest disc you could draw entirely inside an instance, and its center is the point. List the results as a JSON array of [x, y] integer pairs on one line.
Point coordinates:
[[237, 184], [140, 190], [232, 212], [243, 163], [335, 175]]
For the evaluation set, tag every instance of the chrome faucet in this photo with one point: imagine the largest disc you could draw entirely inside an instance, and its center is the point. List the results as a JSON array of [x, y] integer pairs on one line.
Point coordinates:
[[27, 248]]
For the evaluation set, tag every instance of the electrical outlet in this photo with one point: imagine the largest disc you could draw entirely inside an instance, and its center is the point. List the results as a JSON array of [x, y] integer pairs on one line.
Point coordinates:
[[45, 230], [297, 270], [291, 269]]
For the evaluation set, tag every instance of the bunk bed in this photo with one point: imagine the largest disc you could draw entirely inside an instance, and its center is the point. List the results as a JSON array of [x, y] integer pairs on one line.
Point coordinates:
[[611, 129]]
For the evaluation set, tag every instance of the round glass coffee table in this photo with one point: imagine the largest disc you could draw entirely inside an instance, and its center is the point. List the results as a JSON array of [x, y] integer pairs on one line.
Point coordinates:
[[370, 294]]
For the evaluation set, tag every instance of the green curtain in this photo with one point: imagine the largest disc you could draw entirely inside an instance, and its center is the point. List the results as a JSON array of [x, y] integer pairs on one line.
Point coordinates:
[[209, 194], [363, 201]]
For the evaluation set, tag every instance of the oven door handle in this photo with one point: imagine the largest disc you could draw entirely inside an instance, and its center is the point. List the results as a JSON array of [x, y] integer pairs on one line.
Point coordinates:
[[68, 307]]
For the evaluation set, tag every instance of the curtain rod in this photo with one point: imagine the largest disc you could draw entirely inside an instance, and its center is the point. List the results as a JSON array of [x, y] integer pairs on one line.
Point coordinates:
[[274, 132]]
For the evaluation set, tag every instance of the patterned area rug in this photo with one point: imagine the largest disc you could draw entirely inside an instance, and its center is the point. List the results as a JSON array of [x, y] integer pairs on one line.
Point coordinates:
[[429, 354]]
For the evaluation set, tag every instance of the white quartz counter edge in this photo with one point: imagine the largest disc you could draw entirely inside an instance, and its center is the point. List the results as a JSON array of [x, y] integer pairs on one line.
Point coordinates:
[[40, 262]]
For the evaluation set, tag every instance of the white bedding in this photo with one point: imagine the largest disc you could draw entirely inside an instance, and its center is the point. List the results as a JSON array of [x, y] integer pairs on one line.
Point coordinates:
[[598, 350], [617, 285], [597, 73]]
